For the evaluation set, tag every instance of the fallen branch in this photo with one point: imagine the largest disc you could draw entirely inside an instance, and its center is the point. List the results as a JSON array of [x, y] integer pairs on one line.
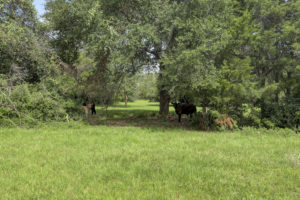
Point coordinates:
[[12, 107]]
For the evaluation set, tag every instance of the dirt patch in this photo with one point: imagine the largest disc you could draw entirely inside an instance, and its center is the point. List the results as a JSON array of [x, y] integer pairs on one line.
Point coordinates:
[[150, 121]]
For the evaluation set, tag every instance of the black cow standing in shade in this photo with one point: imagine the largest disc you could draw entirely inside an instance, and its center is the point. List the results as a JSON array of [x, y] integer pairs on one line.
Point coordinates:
[[93, 108], [182, 108]]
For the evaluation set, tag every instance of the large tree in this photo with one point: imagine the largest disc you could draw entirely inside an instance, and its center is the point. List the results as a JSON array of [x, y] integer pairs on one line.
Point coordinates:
[[275, 58], [213, 51], [125, 35], [23, 53]]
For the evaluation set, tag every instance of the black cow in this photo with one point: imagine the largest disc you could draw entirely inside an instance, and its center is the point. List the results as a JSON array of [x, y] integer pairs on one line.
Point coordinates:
[[183, 108], [93, 108]]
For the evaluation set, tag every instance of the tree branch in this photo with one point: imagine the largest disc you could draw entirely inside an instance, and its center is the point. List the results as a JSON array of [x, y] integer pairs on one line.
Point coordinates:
[[154, 52], [172, 37]]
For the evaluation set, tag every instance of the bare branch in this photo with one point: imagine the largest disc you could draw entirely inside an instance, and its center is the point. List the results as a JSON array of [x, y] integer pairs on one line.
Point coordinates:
[[66, 68]]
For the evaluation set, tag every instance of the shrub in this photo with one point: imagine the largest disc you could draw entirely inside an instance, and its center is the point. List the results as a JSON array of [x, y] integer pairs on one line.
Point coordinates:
[[250, 117], [283, 114], [27, 104], [205, 123], [267, 123]]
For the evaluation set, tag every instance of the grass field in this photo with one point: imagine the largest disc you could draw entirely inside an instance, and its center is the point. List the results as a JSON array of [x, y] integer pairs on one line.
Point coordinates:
[[140, 113], [80, 161]]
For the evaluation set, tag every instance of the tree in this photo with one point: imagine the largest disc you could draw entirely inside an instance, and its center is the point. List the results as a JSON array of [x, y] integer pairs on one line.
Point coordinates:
[[202, 34], [23, 52], [125, 29], [28, 92], [274, 58], [228, 55], [150, 34]]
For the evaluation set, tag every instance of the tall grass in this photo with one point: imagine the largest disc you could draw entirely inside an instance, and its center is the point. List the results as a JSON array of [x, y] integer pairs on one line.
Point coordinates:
[[78, 161]]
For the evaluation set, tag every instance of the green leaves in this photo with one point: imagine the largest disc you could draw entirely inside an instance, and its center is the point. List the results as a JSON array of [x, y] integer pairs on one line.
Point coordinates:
[[221, 53], [20, 11], [23, 52]]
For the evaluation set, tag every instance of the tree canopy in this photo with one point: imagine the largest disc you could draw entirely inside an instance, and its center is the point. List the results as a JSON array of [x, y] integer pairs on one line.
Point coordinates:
[[234, 57]]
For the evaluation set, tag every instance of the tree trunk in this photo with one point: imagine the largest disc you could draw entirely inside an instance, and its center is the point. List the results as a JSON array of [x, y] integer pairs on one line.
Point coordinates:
[[163, 93], [164, 102], [204, 110], [126, 100], [288, 89], [263, 109], [277, 92], [204, 113]]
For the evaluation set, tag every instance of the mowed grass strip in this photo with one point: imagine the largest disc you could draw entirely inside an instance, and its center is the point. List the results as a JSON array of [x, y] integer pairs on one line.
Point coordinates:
[[140, 113], [99, 162]]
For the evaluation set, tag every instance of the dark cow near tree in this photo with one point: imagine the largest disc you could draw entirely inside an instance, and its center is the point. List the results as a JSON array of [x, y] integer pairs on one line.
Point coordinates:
[[182, 108]]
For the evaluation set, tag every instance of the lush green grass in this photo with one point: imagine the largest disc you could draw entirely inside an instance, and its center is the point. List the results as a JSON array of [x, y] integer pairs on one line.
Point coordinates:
[[138, 113], [140, 108], [143, 105], [78, 161]]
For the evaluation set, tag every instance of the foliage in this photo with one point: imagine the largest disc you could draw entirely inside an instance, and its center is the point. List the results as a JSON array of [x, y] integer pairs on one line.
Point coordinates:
[[209, 121], [275, 60], [26, 69], [22, 51], [147, 86], [239, 58], [28, 104]]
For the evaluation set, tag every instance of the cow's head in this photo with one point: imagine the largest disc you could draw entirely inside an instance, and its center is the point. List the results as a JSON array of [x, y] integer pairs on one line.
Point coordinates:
[[175, 105]]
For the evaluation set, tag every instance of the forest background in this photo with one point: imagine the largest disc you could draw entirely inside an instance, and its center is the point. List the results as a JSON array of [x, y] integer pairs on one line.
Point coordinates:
[[233, 58]]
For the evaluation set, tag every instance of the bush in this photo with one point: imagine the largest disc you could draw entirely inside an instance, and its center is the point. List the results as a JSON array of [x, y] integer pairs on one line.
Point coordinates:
[[27, 104], [267, 123], [282, 114], [205, 123], [250, 117]]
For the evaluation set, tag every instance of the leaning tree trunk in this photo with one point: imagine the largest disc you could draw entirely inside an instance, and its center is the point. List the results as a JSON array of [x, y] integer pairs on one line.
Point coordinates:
[[204, 112], [288, 87], [277, 92], [126, 98]]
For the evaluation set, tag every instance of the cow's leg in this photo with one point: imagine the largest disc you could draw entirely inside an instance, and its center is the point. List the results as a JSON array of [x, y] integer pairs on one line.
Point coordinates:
[[86, 111], [191, 115], [93, 110], [179, 117]]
